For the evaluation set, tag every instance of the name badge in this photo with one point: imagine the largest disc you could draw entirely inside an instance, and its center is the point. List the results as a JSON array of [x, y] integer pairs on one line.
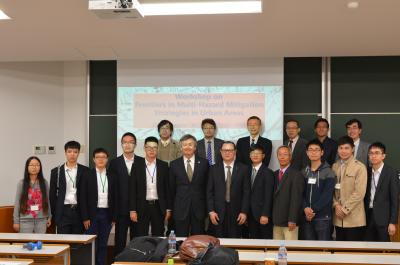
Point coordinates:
[[35, 207], [312, 180], [337, 186]]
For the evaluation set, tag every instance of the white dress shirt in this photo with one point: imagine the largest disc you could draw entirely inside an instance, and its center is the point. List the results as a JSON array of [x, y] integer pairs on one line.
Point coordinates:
[[70, 181], [226, 169], [102, 189], [255, 139], [356, 145], [191, 162], [294, 141], [151, 181], [374, 184], [129, 163]]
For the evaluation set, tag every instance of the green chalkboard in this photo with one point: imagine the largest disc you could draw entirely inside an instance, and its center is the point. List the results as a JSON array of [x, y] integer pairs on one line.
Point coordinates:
[[103, 133], [103, 87], [302, 85], [383, 128], [365, 84]]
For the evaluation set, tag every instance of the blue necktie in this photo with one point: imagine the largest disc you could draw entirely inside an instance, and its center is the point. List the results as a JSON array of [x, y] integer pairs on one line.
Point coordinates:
[[209, 154]]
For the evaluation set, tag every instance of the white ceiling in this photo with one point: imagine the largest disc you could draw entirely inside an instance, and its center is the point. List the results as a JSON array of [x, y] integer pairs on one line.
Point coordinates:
[[54, 30]]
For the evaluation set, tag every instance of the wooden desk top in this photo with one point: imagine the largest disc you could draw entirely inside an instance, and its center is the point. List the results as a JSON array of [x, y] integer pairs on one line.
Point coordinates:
[[342, 259], [47, 238], [16, 261], [311, 245], [47, 250]]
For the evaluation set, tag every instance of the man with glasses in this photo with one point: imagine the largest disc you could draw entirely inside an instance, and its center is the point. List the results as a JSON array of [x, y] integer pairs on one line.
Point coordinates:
[[261, 195], [228, 191], [354, 130], [254, 127], [121, 168], [97, 203], [149, 189], [168, 148], [296, 144], [209, 147], [382, 196], [64, 191], [317, 199]]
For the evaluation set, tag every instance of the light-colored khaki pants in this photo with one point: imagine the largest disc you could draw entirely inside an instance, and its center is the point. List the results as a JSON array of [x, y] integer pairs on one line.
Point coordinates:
[[283, 233], [31, 225]]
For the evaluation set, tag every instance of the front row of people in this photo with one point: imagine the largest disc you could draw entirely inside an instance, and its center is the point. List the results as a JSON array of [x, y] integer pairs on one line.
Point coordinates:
[[285, 204]]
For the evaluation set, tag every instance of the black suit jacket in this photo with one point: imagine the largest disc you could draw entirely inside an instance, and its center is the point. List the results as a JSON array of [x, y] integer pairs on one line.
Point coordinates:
[[243, 149], [89, 195], [386, 199], [57, 192], [239, 193], [299, 155], [201, 149], [121, 183], [262, 193], [138, 186], [288, 197], [186, 195]]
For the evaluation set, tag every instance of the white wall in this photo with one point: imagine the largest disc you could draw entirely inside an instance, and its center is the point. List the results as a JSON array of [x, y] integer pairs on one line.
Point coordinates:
[[41, 103]]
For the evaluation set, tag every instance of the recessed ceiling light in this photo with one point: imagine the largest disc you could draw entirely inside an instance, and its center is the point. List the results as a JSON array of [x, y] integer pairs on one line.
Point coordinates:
[[353, 5], [3, 15], [202, 7]]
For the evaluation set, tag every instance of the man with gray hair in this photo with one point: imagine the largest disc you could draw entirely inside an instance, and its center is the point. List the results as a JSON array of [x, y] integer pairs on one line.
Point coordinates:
[[187, 186]]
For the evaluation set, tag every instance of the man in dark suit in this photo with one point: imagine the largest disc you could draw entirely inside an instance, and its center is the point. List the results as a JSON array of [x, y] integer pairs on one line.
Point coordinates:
[[382, 196], [244, 143], [209, 147], [321, 129], [187, 185], [261, 195], [64, 191], [297, 145], [288, 195], [354, 130], [121, 168], [97, 204], [228, 194], [149, 188]]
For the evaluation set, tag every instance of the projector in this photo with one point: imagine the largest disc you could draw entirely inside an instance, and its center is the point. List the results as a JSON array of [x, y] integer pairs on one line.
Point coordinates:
[[116, 8]]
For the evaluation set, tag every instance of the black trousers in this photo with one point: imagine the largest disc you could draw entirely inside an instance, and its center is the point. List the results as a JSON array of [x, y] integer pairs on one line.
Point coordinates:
[[151, 215], [375, 232], [257, 230], [190, 225], [70, 222], [229, 227], [350, 234], [122, 224]]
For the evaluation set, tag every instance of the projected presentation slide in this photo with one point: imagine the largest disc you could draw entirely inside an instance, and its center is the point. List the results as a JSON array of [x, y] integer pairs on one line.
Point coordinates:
[[140, 109]]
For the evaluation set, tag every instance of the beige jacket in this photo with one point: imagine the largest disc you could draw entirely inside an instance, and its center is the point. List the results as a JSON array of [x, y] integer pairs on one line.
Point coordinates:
[[353, 185]]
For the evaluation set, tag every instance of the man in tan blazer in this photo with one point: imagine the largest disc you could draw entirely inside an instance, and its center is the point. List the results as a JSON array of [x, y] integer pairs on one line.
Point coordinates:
[[348, 200]]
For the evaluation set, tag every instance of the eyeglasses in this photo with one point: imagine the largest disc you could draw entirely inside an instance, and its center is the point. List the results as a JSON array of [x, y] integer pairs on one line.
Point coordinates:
[[227, 150], [314, 150], [256, 153], [151, 148], [375, 153]]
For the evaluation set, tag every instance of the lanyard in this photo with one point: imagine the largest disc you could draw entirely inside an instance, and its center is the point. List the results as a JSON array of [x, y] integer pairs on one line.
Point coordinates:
[[103, 184], [73, 183], [151, 175]]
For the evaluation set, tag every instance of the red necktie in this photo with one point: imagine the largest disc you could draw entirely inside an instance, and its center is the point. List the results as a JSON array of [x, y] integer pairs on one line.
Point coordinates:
[[280, 175]]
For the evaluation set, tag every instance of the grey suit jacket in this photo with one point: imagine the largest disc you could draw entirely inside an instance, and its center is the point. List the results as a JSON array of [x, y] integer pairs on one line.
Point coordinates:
[[201, 149], [362, 152]]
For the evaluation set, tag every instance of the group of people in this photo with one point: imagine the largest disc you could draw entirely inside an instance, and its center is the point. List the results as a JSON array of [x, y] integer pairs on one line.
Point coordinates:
[[322, 188]]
